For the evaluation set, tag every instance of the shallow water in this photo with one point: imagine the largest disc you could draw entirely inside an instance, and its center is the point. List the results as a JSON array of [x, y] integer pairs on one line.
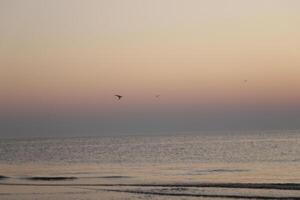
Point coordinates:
[[260, 165]]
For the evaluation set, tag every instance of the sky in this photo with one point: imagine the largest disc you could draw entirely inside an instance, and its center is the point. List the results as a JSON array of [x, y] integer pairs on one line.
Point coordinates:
[[217, 64]]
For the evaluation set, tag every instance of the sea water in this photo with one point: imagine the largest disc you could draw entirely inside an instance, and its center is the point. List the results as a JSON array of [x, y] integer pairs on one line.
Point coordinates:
[[208, 165]]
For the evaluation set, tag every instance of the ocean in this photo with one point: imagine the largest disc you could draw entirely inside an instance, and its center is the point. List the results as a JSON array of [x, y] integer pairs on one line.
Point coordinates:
[[193, 165]]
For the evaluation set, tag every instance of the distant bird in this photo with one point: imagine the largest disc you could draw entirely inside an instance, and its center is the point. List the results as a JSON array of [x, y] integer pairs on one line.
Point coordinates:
[[118, 96], [245, 81], [158, 95]]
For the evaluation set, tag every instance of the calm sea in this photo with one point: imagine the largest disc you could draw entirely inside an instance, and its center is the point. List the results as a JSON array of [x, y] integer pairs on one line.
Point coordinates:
[[222, 165]]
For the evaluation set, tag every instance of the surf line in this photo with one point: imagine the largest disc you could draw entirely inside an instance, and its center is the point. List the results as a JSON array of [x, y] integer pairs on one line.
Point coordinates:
[[275, 186], [195, 195]]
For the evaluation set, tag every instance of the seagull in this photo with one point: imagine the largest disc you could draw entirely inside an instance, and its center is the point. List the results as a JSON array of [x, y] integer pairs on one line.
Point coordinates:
[[118, 96]]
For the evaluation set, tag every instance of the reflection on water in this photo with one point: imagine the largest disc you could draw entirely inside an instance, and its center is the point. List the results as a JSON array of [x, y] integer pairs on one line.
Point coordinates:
[[222, 165]]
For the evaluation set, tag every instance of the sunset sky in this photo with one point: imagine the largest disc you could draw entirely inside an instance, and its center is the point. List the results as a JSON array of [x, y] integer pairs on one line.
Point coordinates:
[[65, 59]]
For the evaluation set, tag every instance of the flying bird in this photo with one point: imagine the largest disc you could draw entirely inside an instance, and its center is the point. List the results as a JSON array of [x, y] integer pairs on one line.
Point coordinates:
[[118, 96], [245, 81], [158, 95]]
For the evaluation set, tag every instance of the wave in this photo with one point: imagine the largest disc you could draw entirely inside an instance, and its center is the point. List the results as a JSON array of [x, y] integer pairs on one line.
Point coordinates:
[[3, 177], [45, 178], [62, 178], [199, 195], [274, 186], [228, 170], [204, 171], [112, 177]]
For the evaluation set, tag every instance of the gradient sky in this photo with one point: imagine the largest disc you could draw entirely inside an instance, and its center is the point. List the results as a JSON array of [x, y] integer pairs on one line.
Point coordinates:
[[65, 59]]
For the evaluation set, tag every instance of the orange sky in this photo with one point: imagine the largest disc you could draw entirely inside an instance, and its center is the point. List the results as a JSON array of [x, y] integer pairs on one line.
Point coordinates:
[[78, 54]]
